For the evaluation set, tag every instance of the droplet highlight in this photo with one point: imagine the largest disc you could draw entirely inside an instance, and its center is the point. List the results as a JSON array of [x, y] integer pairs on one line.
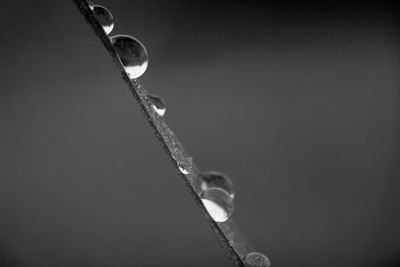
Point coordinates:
[[256, 259], [185, 165], [104, 17], [132, 54], [213, 179], [218, 203], [158, 105]]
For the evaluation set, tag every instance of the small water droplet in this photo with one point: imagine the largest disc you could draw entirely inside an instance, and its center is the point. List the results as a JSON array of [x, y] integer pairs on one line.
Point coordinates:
[[217, 179], [256, 259], [158, 105], [185, 165], [218, 203], [104, 17], [132, 53]]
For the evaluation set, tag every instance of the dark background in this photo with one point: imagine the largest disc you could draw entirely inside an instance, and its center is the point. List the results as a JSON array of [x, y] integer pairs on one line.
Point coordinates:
[[299, 104]]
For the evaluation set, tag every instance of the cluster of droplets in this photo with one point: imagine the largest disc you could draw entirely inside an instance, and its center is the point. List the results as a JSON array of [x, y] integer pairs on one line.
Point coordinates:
[[216, 188], [131, 52], [217, 196]]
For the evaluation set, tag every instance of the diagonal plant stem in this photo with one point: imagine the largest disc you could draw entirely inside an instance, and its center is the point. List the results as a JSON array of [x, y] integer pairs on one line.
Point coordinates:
[[228, 234]]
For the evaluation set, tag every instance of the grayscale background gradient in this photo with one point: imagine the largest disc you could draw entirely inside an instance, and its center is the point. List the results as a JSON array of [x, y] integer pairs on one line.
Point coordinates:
[[298, 104]]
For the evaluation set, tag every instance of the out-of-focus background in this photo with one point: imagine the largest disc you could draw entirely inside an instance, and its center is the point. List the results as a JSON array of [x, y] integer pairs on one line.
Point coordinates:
[[298, 104]]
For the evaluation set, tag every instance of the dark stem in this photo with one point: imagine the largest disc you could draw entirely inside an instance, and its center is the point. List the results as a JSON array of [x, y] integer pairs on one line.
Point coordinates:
[[228, 234]]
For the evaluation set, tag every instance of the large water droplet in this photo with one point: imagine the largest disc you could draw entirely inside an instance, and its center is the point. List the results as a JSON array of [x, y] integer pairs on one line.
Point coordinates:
[[157, 104], [218, 203], [104, 17], [132, 53], [256, 259], [217, 179]]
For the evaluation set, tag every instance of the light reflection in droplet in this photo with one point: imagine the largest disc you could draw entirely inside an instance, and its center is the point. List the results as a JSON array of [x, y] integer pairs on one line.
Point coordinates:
[[132, 54], [158, 105], [104, 17], [212, 179], [218, 203]]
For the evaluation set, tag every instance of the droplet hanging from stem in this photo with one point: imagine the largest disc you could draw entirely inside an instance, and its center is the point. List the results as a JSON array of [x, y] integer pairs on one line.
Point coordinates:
[[132, 54]]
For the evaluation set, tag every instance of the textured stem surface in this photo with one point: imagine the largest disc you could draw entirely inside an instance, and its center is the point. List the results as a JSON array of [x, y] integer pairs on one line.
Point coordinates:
[[229, 235]]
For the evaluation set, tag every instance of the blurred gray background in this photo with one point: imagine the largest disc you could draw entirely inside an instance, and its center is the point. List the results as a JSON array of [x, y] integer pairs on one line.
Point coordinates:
[[298, 104]]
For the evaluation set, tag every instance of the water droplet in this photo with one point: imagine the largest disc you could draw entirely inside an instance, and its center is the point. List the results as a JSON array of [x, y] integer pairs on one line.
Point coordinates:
[[104, 17], [185, 165], [132, 53], [218, 203], [217, 179], [158, 105], [256, 259]]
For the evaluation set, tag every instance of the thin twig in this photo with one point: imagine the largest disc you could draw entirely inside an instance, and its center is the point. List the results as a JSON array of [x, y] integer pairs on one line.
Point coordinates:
[[229, 235]]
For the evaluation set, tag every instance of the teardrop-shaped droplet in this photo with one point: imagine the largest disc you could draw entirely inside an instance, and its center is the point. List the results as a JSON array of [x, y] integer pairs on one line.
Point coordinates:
[[158, 105], [132, 53], [218, 203], [104, 17], [217, 179], [256, 259], [185, 165]]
